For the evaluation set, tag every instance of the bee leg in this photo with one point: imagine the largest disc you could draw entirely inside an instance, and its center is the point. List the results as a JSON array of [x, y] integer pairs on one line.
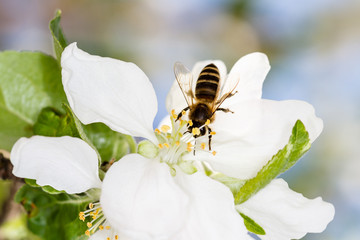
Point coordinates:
[[226, 110], [232, 94], [181, 113], [210, 136], [194, 145]]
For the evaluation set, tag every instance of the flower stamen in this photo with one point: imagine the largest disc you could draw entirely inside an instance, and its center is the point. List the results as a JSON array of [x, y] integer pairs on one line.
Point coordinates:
[[97, 219], [176, 140]]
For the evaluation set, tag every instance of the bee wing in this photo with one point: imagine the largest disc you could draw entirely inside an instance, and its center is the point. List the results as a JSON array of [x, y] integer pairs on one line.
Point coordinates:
[[184, 78], [227, 90]]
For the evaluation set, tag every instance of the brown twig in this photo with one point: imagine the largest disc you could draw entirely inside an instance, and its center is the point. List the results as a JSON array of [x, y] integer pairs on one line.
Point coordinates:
[[9, 206]]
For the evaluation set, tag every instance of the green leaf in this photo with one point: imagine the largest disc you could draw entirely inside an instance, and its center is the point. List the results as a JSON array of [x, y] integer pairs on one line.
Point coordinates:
[[298, 145], [59, 40], [110, 145], [53, 123], [53, 216], [29, 81], [47, 188], [252, 226]]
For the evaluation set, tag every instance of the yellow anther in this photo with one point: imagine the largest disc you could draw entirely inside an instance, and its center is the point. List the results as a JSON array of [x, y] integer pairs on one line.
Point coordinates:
[[214, 153], [166, 145], [160, 146], [157, 131], [94, 217], [189, 149], [196, 131], [173, 114], [89, 224], [81, 214], [87, 233], [91, 205], [177, 143], [183, 112], [189, 145], [116, 237], [165, 128], [82, 218], [190, 123], [101, 227], [212, 133], [203, 145], [207, 122], [108, 238], [107, 227]]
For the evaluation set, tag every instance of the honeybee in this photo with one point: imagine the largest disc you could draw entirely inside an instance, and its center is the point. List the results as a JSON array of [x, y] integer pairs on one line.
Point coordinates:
[[209, 95]]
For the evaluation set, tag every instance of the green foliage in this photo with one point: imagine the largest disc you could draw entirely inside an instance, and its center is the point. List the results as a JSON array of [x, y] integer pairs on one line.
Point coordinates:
[[53, 216], [47, 189], [53, 123], [110, 144], [298, 145], [252, 226], [59, 40], [15, 229], [29, 82]]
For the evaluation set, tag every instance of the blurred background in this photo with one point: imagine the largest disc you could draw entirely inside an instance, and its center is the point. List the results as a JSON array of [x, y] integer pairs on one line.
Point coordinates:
[[313, 47]]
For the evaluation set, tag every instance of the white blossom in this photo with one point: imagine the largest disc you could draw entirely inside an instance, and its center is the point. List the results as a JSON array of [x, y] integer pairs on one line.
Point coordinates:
[[152, 197]]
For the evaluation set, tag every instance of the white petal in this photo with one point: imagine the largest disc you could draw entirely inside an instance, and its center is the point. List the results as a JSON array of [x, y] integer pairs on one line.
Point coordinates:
[[140, 195], [246, 140], [212, 211], [285, 214], [65, 163], [175, 99], [107, 90], [250, 71], [111, 233]]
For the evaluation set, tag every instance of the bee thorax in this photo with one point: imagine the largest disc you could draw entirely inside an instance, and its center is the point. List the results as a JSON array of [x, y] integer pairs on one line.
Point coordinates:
[[200, 114]]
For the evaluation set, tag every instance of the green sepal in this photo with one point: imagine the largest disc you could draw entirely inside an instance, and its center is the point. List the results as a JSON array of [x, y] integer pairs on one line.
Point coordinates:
[[59, 40], [298, 145], [252, 226], [53, 216], [30, 81], [187, 167], [234, 184], [147, 149]]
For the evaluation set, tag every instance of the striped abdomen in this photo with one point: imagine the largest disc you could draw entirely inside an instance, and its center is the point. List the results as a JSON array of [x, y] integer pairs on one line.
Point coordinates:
[[207, 83]]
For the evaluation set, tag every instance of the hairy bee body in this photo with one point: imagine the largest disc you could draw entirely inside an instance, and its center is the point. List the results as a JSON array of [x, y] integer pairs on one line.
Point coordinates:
[[202, 104], [207, 85], [206, 91]]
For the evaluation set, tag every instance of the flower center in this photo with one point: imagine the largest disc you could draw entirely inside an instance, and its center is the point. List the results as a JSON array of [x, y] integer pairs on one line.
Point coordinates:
[[177, 140], [96, 221]]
